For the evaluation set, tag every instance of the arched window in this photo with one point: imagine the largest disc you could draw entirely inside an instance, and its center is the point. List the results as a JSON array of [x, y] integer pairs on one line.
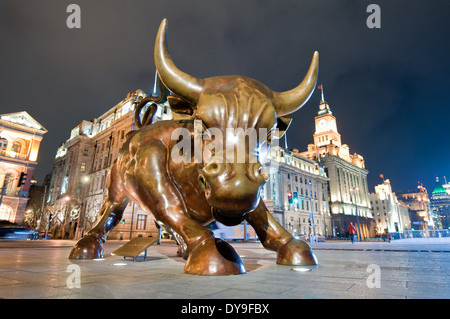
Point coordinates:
[[17, 147], [8, 181], [3, 144]]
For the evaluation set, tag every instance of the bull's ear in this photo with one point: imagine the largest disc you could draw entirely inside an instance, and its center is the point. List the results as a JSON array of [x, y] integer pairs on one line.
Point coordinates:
[[181, 109], [283, 123]]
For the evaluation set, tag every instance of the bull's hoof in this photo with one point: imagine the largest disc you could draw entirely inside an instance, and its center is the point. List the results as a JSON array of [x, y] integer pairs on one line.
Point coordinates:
[[296, 253], [88, 247], [214, 257]]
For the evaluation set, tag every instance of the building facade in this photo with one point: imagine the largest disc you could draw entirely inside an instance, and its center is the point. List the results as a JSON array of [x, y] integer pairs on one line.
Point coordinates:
[[390, 214], [446, 185], [297, 193], [349, 194], [82, 163], [419, 205], [440, 202], [20, 139]]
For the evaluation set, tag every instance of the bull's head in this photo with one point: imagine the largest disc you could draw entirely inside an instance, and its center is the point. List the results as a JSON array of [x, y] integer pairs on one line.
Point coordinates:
[[231, 186]]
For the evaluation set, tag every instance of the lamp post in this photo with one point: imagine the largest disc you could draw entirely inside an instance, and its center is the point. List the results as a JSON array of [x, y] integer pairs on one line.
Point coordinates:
[[81, 217], [354, 190], [66, 210], [312, 211], [48, 224]]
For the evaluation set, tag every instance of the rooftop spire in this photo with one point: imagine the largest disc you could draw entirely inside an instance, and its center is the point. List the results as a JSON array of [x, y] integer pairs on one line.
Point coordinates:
[[322, 98], [323, 106]]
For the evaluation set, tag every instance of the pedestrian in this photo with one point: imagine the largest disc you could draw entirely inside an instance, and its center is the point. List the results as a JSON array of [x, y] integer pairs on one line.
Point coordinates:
[[352, 232]]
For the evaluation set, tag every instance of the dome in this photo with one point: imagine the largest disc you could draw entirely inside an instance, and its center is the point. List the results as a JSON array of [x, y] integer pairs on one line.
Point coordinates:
[[438, 188]]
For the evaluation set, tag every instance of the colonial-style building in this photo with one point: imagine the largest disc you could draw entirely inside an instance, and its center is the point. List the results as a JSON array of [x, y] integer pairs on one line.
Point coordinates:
[[390, 214], [419, 204], [78, 185], [349, 194], [440, 202], [20, 138], [446, 186], [297, 193]]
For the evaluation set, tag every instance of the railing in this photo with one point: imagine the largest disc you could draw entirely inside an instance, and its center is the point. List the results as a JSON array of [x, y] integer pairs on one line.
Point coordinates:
[[14, 193], [420, 234], [13, 154]]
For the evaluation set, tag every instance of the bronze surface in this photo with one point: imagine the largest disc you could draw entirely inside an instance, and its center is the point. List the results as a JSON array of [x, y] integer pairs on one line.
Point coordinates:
[[183, 197]]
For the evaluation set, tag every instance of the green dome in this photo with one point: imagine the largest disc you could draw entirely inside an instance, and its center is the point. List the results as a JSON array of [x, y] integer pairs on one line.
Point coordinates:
[[438, 188]]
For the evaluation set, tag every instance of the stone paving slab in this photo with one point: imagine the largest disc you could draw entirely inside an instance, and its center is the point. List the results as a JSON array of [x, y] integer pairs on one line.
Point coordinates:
[[41, 270]]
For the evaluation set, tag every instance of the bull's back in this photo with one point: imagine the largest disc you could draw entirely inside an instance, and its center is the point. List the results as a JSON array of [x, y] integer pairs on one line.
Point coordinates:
[[125, 167]]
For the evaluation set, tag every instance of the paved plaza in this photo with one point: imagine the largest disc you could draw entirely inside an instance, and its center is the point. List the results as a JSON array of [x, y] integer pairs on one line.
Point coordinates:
[[403, 269]]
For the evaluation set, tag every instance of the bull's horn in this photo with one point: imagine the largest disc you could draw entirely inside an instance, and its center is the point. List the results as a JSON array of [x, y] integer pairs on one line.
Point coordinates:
[[290, 101], [178, 82]]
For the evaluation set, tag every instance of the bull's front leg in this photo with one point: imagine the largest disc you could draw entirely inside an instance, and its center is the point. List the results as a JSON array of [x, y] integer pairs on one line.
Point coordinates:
[[156, 192], [273, 236], [91, 245]]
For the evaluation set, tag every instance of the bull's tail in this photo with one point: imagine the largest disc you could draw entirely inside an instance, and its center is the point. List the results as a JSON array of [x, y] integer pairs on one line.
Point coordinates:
[[147, 118], [149, 113]]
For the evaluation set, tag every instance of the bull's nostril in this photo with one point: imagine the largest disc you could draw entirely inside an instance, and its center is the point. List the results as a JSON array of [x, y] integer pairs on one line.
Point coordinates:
[[259, 172], [213, 169]]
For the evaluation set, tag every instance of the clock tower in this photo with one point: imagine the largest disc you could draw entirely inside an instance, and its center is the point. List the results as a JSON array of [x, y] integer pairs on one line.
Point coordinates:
[[326, 128], [348, 190]]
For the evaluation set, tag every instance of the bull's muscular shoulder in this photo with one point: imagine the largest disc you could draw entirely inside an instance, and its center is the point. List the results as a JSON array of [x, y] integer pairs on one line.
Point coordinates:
[[157, 132]]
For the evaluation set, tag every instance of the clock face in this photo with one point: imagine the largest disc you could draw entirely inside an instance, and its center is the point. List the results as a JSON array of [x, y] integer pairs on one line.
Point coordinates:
[[322, 123]]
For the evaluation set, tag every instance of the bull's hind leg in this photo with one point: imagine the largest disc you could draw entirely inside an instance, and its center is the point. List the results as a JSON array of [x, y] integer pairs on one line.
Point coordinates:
[[91, 245], [273, 236]]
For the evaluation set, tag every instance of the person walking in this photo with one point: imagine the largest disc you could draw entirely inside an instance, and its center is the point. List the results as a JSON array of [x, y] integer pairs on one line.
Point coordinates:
[[352, 232]]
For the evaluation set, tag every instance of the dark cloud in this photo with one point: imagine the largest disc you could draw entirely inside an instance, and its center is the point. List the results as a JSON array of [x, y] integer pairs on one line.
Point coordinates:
[[387, 87]]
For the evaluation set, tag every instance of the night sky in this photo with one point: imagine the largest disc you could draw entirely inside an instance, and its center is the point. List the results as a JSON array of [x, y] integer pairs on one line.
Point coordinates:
[[387, 87]]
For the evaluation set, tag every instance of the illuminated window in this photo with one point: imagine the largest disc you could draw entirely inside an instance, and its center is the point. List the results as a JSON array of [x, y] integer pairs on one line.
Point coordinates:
[[3, 143], [141, 222], [17, 147], [8, 181]]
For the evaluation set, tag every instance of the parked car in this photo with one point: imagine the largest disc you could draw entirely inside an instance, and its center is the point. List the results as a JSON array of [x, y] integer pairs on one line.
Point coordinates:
[[13, 231]]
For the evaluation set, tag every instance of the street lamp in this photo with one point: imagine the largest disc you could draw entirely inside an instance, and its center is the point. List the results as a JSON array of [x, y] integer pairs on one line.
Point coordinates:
[[65, 216], [312, 211], [85, 180], [354, 190]]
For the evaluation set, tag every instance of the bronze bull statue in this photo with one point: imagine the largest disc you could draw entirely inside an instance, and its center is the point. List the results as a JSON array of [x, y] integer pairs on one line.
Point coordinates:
[[184, 196]]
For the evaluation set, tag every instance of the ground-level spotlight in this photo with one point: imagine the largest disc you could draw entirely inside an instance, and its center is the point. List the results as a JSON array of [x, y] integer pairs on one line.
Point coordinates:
[[119, 264], [300, 269]]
